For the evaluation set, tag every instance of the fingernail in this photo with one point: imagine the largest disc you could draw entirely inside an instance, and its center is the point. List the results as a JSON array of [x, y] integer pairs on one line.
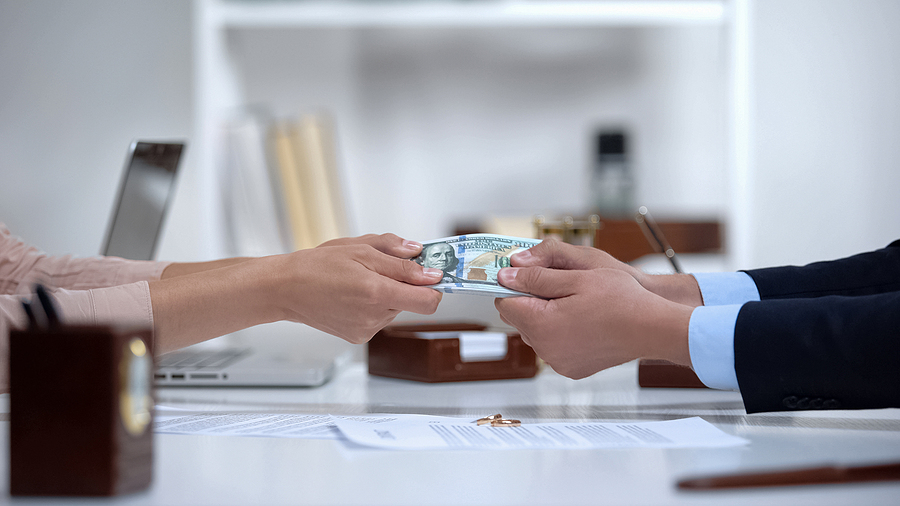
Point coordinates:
[[412, 244], [507, 275], [431, 272]]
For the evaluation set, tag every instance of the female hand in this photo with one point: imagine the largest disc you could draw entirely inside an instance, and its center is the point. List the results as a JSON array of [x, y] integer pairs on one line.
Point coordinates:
[[350, 288]]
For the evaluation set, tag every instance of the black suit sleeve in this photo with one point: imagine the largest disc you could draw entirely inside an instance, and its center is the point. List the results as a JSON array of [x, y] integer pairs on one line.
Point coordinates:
[[833, 352], [864, 274], [822, 336]]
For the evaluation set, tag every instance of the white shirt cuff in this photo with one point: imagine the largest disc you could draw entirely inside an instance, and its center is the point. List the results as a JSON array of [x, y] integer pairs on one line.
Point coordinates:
[[723, 288], [711, 345]]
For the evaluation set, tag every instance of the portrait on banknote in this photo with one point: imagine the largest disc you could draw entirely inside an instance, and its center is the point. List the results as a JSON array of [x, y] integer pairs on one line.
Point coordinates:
[[440, 255]]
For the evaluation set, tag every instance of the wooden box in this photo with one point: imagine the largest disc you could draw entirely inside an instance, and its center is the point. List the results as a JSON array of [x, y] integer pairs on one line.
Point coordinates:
[[397, 352], [80, 411]]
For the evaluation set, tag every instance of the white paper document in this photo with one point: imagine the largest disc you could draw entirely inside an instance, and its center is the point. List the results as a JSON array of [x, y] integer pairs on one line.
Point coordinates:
[[249, 424], [421, 432]]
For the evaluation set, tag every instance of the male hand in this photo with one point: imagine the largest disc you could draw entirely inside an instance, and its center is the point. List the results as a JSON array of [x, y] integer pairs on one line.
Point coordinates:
[[559, 255], [589, 320], [681, 288]]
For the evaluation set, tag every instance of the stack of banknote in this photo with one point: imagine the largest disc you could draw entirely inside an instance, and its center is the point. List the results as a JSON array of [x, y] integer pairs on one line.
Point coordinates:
[[471, 262]]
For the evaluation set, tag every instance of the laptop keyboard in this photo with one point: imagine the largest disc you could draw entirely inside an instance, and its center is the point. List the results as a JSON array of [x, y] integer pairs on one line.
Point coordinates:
[[209, 360]]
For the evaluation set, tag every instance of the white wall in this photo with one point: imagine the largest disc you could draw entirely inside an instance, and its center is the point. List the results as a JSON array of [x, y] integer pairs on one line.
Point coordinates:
[[81, 79], [78, 82], [827, 80]]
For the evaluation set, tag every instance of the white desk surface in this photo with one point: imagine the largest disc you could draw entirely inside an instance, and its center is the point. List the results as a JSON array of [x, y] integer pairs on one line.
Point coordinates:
[[218, 470]]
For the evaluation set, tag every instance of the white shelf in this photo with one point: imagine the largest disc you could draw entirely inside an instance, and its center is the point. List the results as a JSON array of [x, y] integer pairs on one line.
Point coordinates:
[[218, 87], [263, 14]]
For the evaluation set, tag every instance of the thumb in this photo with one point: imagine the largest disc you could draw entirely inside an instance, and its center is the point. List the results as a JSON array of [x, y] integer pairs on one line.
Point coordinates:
[[540, 281], [406, 271]]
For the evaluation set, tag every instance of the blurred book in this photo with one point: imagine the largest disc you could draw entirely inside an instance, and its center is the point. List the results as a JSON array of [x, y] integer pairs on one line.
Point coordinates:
[[293, 187], [281, 188], [314, 153], [256, 223]]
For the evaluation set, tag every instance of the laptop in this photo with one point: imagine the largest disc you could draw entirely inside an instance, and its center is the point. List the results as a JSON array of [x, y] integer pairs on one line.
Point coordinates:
[[144, 194], [138, 215]]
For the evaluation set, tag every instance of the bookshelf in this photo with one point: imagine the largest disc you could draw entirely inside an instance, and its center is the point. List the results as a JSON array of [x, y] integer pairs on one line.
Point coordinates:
[[255, 14], [218, 74]]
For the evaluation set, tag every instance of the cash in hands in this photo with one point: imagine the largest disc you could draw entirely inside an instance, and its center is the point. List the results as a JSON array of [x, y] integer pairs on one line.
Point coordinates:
[[471, 262]]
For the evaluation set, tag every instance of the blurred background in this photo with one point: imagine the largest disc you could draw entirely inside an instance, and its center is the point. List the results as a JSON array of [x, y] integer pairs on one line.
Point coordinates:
[[777, 118]]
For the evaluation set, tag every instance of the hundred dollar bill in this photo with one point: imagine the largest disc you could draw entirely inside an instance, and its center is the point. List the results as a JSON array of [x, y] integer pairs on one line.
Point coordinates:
[[471, 262]]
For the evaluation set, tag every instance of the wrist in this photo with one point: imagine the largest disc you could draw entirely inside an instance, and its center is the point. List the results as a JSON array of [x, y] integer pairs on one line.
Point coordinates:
[[669, 334], [257, 282], [679, 288]]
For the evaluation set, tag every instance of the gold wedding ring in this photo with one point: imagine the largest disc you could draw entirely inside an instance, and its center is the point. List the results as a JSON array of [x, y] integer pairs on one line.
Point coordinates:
[[488, 419], [498, 421]]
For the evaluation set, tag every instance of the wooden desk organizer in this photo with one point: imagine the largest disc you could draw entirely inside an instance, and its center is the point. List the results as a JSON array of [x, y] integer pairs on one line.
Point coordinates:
[[396, 352], [80, 411]]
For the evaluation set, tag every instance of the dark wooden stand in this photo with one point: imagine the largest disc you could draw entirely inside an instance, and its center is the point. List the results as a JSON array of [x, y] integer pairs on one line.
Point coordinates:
[[396, 352], [67, 436]]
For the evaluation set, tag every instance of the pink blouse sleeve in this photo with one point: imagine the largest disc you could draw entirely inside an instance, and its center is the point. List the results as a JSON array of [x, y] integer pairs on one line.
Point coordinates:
[[22, 265], [86, 290]]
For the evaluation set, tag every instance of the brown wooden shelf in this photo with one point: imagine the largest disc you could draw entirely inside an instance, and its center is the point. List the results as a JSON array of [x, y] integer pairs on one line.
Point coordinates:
[[624, 240]]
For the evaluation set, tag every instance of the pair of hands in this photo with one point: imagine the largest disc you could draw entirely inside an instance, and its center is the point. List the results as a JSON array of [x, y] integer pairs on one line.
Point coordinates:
[[595, 312]]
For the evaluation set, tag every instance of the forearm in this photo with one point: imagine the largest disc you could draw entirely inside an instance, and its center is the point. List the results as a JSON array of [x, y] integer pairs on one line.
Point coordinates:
[[350, 291], [185, 268], [191, 307]]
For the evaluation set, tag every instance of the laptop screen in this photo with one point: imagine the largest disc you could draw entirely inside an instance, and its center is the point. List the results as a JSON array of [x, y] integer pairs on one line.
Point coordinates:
[[143, 199]]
